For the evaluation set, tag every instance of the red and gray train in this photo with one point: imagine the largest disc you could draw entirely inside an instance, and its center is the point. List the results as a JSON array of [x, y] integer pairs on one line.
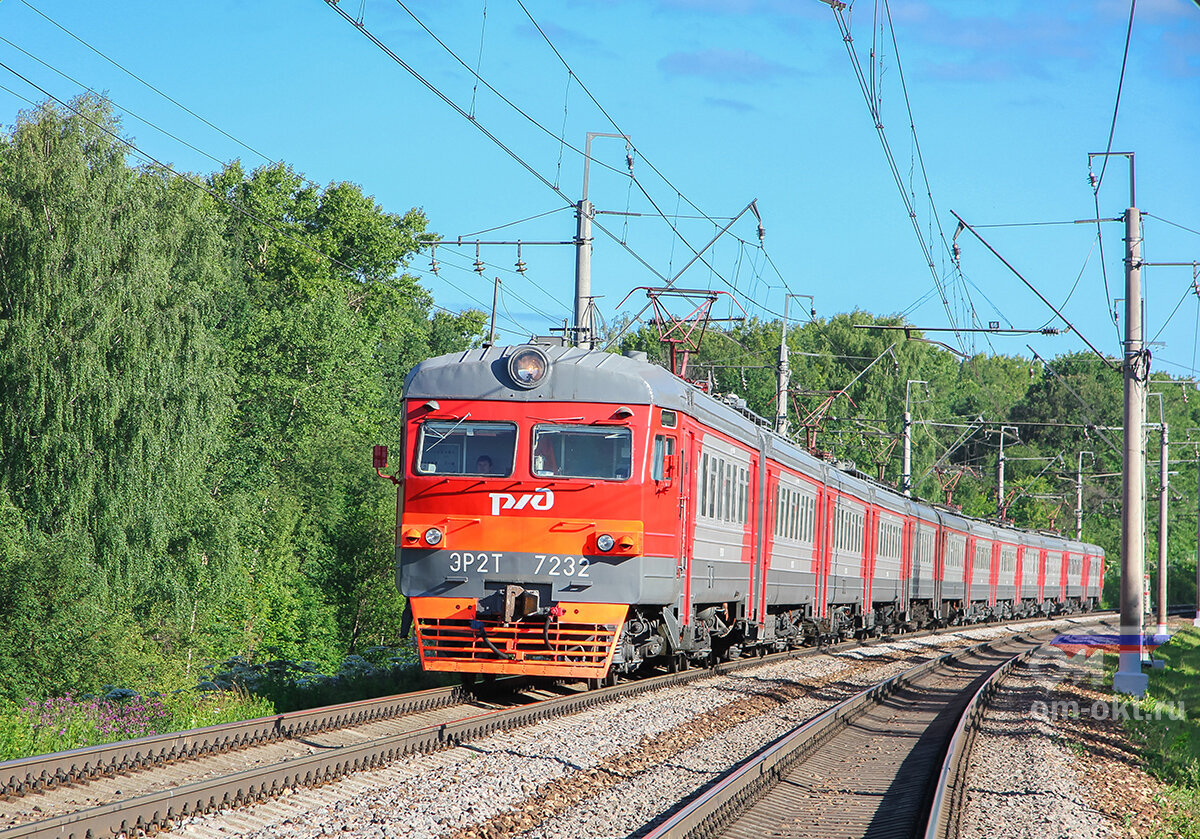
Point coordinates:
[[571, 513]]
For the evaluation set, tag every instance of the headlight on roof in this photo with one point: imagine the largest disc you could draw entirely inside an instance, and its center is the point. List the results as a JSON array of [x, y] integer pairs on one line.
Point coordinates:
[[528, 367]]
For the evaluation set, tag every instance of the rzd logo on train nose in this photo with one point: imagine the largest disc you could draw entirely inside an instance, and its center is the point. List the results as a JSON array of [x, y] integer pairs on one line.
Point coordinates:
[[542, 499]]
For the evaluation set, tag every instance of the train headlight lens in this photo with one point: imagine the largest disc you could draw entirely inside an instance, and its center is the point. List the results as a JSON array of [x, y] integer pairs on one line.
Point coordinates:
[[433, 536], [528, 366], [604, 542]]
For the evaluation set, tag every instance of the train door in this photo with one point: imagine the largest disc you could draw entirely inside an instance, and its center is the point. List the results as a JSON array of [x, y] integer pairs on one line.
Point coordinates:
[[1019, 591], [751, 536], [1063, 576], [939, 568], [689, 454], [763, 523], [969, 569], [1041, 578], [994, 575], [907, 550], [827, 502], [667, 494], [870, 556]]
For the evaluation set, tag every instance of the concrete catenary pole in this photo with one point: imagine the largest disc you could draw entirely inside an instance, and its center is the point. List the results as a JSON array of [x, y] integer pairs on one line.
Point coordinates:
[[583, 266], [784, 376], [1163, 485], [1000, 472], [1129, 677], [906, 464], [1079, 497], [584, 212]]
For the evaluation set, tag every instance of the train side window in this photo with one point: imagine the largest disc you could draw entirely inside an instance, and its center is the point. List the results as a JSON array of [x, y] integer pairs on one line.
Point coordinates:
[[781, 512], [712, 487], [669, 419], [726, 492], [664, 448], [731, 484], [781, 516]]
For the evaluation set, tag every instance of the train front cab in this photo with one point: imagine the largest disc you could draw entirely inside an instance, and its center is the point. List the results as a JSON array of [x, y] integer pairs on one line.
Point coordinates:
[[530, 567]]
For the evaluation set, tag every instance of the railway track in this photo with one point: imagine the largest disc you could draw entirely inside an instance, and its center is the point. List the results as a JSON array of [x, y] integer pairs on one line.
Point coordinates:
[[872, 766], [105, 790]]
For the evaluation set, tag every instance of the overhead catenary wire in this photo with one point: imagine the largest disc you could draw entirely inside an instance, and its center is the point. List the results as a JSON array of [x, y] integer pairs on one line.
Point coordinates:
[[1112, 128], [138, 78], [1034, 289], [1172, 223], [1188, 290], [634, 180], [513, 223], [105, 97], [1104, 167], [512, 153], [117, 105], [166, 167], [872, 106], [557, 301], [191, 181], [571, 74]]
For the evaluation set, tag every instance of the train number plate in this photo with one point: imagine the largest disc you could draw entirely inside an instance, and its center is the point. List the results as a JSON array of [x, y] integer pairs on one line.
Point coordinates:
[[561, 566]]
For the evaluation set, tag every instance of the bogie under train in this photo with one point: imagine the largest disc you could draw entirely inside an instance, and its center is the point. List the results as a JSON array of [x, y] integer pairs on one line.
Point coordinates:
[[574, 513]]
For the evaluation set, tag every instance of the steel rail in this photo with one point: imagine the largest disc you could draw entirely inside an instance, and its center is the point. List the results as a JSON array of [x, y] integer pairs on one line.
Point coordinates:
[[40, 772], [951, 781], [717, 807], [158, 810], [77, 766]]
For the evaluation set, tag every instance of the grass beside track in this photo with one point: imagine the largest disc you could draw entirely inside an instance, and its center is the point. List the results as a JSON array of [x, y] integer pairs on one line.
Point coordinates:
[[238, 690], [61, 723], [1168, 734]]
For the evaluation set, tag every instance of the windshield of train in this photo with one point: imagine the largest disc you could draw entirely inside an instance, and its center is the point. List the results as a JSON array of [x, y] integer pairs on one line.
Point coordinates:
[[458, 447], [582, 451]]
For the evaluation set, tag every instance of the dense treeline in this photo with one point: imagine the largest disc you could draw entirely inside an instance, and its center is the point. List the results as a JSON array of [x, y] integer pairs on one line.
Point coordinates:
[[190, 381], [1055, 412]]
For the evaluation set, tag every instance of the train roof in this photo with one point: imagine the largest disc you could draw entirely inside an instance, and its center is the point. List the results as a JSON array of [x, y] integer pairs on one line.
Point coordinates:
[[575, 375], [596, 376]]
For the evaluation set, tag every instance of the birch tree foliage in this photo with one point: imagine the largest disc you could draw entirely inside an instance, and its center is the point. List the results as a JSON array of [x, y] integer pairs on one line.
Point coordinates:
[[110, 380]]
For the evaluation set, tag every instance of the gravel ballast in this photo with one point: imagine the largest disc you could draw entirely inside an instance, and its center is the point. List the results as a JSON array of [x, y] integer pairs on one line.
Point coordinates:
[[607, 771], [1049, 761]]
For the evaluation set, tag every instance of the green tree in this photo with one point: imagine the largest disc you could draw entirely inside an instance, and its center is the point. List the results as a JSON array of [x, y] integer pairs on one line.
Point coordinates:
[[110, 380], [322, 326]]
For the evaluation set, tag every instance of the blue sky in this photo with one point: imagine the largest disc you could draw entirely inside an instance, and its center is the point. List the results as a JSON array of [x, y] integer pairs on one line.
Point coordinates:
[[725, 101]]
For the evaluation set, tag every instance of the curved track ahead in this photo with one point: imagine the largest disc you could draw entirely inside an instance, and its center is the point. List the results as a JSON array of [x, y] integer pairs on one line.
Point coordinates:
[[867, 767]]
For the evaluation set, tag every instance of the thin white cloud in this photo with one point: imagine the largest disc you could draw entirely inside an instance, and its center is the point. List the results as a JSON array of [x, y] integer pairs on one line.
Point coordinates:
[[730, 104], [733, 66]]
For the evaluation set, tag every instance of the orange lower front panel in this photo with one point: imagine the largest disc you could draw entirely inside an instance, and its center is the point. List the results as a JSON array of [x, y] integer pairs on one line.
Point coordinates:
[[579, 643]]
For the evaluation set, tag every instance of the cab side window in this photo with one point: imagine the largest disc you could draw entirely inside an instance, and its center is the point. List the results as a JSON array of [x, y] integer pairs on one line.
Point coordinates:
[[664, 447]]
